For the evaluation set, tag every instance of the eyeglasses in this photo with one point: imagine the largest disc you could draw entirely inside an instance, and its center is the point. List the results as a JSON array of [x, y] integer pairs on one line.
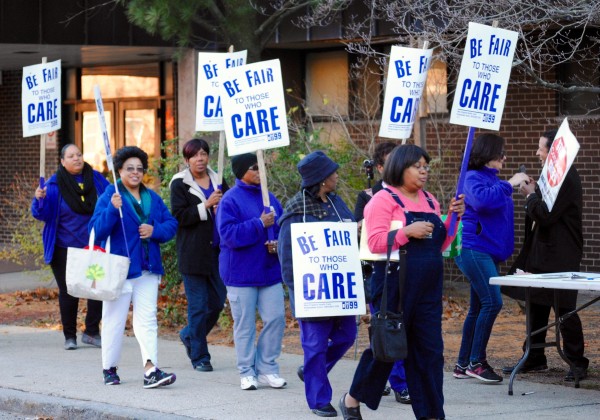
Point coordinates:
[[425, 168], [132, 169], [253, 167]]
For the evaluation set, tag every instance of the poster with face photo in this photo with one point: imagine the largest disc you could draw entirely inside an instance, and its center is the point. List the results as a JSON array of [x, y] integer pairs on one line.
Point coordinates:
[[561, 155]]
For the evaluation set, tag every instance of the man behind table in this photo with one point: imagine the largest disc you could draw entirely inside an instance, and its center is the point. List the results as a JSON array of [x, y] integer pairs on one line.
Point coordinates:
[[553, 243]]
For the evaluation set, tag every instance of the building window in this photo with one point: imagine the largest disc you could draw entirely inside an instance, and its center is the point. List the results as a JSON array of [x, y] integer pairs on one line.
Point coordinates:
[[580, 73], [131, 81], [327, 83], [436, 89], [581, 70]]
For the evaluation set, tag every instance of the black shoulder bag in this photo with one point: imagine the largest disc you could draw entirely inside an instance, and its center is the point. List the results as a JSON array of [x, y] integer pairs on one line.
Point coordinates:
[[387, 330]]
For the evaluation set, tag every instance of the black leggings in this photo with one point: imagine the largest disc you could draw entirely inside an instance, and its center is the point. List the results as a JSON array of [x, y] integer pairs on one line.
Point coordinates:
[[69, 304]]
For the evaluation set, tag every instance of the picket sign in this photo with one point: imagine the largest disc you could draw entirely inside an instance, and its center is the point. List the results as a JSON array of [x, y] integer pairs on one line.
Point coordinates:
[[561, 155], [41, 106], [254, 114], [406, 79], [481, 88], [327, 270], [209, 114]]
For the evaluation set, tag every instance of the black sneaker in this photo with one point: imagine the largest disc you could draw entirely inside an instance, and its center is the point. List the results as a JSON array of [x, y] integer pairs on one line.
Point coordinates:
[[111, 377], [403, 396], [158, 378], [325, 411], [483, 372], [532, 364], [300, 373], [386, 391]]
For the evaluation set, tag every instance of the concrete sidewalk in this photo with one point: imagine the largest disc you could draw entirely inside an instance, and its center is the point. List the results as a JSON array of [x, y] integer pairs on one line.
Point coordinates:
[[41, 379], [25, 280]]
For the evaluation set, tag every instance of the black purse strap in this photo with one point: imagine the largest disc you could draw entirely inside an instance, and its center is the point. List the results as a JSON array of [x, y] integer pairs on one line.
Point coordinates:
[[402, 278]]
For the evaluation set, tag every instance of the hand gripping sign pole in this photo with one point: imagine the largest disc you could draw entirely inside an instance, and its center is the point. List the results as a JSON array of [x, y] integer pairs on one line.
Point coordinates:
[[109, 159], [481, 88], [254, 115], [43, 139], [262, 173]]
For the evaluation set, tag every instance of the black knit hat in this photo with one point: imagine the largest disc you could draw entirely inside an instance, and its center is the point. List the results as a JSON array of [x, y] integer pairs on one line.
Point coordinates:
[[241, 163], [315, 167]]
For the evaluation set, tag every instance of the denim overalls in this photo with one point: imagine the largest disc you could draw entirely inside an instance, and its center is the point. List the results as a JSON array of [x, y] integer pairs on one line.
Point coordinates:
[[423, 318]]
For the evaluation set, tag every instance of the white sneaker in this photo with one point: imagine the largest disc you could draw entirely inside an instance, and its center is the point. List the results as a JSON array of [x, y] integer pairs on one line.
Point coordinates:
[[273, 380], [249, 383]]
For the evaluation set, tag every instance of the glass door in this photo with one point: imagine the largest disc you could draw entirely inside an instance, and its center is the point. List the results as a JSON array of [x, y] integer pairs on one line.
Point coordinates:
[[89, 135]]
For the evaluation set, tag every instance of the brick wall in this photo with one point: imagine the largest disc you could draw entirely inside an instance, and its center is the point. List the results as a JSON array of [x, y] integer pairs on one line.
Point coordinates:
[[19, 157], [527, 114]]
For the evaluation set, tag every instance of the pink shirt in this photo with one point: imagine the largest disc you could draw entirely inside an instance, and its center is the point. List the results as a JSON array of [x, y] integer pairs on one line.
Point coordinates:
[[382, 209]]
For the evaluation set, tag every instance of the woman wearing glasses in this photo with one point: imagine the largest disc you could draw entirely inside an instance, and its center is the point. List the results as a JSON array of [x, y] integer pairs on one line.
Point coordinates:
[[195, 195], [487, 240], [65, 205], [250, 270], [145, 225], [424, 236]]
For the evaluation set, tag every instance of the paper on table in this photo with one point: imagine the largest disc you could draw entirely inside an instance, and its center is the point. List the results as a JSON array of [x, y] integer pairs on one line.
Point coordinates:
[[367, 255], [584, 277]]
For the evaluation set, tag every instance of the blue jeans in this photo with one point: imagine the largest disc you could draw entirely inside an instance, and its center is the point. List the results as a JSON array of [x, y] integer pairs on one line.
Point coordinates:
[[205, 296], [486, 303], [260, 358]]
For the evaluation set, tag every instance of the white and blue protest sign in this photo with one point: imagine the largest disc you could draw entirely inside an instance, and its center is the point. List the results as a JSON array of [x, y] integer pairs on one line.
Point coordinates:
[[561, 155], [41, 98], [209, 111], [327, 271], [253, 103], [406, 78], [483, 80]]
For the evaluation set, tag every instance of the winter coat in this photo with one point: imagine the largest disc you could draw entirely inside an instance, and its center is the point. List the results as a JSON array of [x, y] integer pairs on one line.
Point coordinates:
[[106, 222], [244, 260]]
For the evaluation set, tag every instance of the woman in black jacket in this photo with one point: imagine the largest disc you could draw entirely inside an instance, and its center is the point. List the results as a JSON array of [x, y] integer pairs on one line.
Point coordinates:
[[194, 199]]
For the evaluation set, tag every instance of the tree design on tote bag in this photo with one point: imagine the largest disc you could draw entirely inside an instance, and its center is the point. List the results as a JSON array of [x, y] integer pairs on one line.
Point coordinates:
[[95, 272]]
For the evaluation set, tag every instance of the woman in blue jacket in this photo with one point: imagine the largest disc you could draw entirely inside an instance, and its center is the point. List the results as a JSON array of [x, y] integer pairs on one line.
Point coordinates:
[[488, 240], [324, 340], [65, 205], [146, 224], [250, 270]]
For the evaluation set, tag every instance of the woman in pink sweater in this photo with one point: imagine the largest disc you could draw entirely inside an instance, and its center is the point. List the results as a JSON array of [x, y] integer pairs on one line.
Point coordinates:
[[424, 236]]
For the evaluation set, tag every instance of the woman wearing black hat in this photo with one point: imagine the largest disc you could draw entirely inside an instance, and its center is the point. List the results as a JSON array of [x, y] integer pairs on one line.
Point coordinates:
[[252, 275], [324, 340]]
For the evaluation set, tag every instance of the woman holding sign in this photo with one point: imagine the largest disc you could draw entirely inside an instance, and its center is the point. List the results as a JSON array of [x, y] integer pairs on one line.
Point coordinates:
[[424, 236], [250, 270], [195, 195], [66, 204], [324, 340], [488, 240], [137, 221]]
